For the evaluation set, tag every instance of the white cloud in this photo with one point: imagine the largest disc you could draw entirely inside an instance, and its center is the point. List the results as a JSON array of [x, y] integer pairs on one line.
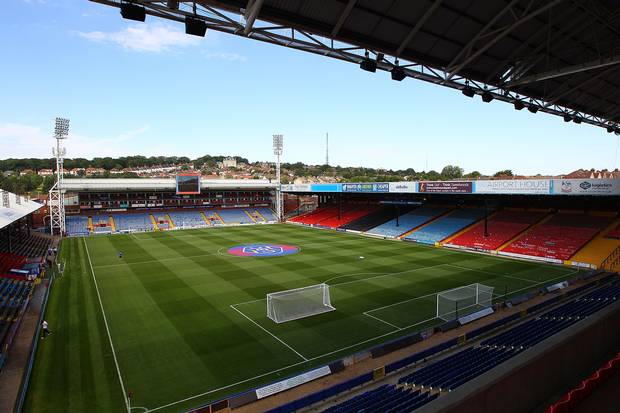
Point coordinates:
[[25, 141], [231, 57], [144, 37]]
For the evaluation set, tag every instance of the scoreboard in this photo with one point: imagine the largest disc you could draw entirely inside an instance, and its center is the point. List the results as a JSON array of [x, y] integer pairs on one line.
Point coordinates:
[[188, 183]]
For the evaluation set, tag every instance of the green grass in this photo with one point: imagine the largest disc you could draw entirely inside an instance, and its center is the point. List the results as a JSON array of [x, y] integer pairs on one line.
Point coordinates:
[[188, 322]]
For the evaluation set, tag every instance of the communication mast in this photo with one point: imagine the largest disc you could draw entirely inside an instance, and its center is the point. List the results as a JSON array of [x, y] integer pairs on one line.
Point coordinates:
[[56, 199]]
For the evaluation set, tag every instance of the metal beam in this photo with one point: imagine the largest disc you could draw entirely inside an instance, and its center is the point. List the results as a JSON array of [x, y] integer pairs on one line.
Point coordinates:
[[580, 85], [473, 40], [504, 33], [417, 27], [569, 70], [343, 17], [251, 13], [543, 29]]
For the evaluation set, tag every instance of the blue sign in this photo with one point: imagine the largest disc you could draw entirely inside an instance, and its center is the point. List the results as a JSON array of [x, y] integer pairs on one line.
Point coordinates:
[[367, 187]]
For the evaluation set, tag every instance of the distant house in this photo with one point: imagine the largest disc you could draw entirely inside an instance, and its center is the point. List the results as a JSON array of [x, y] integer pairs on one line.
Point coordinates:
[[45, 172], [593, 174], [94, 171], [229, 162]]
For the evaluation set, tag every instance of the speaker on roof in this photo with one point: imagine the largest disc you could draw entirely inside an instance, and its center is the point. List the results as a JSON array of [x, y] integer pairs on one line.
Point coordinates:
[[195, 27], [133, 12]]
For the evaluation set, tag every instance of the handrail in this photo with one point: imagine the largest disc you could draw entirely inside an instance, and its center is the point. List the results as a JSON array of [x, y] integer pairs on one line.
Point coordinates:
[[612, 260]]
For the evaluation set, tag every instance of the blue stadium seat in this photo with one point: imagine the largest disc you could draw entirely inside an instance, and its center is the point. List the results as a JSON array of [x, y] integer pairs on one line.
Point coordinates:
[[446, 226], [408, 221]]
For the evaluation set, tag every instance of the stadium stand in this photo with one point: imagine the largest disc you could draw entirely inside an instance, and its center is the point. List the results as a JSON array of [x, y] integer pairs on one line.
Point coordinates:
[[267, 214], [371, 220], [560, 237], [316, 216], [187, 219], [77, 225], [235, 216], [14, 296], [502, 227], [387, 398], [349, 214], [614, 233], [30, 246], [446, 226], [161, 220], [408, 221], [459, 368], [587, 388], [133, 222], [602, 246]]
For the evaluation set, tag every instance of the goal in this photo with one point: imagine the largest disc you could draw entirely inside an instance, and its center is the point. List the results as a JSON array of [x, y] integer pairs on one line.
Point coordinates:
[[461, 301], [298, 303]]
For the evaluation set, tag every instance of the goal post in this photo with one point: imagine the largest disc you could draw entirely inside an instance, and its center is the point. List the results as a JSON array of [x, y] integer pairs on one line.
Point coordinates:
[[283, 306], [457, 302]]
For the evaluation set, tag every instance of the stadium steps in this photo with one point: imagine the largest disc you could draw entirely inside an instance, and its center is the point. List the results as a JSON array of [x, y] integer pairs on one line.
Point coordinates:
[[599, 248], [216, 215], [204, 218], [464, 230], [257, 212], [545, 218], [528, 229], [250, 215], [154, 222], [90, 224], [445, 214], [112, 223], [374, 219], [170, 223]]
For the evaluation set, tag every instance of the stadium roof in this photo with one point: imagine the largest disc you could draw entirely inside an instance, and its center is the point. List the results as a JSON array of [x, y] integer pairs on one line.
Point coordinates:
[[555, 56], [14, 207], [121, 184]]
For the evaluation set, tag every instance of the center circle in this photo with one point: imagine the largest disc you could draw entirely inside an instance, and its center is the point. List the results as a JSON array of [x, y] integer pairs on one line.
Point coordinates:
[[263, 250]]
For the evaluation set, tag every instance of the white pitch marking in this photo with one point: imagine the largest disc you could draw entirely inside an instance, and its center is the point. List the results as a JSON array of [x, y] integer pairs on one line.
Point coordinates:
[[105, 321], [383, 321], [268, 332]]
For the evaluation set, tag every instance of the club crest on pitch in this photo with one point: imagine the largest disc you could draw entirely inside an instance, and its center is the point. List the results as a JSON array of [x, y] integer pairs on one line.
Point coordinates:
[[263, 250]]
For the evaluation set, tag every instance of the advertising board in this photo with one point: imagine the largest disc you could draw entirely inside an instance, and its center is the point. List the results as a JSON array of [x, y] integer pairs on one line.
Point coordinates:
[[366, 187], [514, 186], [446, 187], [403, 187], [586, 187]]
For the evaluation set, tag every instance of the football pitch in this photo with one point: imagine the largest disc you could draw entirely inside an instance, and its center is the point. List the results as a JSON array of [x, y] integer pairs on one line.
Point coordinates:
[[178, 322]]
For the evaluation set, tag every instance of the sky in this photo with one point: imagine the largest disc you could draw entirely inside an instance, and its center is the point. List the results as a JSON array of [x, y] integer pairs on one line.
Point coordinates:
[[148, 89]]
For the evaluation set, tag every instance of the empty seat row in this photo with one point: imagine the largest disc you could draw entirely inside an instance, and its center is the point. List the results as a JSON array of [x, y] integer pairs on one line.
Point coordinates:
[[408, 221], [445, 226], [385, 399], [501, 228]]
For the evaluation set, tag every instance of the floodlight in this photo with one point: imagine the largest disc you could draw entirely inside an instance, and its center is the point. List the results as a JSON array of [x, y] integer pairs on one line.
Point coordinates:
[[398, 73], [577, 119], [469, 92], [61, 128], [610, 129], [567, 118], [486, 97], [519, 105], [195, 27], [132, 11], [532, 108], [278, 143]]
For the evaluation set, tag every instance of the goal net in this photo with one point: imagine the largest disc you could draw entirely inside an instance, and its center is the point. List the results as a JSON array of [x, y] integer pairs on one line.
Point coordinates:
[[298, 303], [461, 301]]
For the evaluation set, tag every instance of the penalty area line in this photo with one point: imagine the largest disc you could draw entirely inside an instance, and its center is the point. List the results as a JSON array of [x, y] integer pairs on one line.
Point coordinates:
[[268, 332]]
